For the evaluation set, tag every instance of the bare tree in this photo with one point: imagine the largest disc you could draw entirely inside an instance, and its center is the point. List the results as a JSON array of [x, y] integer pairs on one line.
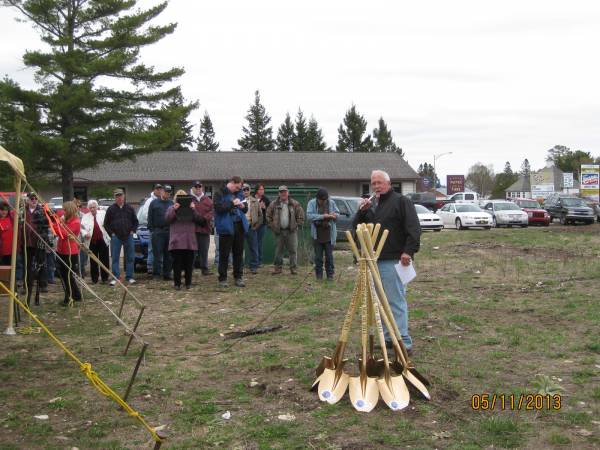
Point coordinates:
[[480, 179]]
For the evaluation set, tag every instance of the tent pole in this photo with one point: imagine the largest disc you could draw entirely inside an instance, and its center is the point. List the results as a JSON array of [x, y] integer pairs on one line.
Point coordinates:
[[10, 330]]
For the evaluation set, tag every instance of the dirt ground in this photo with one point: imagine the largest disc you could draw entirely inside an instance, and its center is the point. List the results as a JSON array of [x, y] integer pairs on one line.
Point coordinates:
[[500, 312]]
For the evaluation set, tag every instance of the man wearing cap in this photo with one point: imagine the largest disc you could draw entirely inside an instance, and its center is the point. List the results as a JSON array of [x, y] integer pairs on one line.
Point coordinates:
[[204, 207], [231, 225], [284, 216], [397, 214], [143, 220], [120, 222], [254, 217], [36, 227], [322, 213], [158, 226]]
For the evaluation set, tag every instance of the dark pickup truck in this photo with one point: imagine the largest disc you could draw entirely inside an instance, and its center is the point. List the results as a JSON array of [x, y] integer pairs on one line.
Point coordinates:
[[426, 199]]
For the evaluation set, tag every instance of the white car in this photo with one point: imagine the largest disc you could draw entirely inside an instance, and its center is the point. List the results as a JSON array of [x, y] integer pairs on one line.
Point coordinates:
[[507, 214], [428, 220], [464, 215]]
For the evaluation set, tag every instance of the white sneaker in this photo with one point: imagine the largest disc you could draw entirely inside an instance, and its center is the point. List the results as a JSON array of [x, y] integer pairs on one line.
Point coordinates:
[[131, 281], [113, 283]]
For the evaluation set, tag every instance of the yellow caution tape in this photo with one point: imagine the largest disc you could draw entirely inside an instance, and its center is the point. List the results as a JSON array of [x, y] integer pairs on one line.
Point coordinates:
[[86, 368]]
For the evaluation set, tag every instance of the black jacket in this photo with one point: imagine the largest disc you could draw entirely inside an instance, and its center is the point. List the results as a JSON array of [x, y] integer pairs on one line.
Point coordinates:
[[396, 214], [120, 221], [157, 213]]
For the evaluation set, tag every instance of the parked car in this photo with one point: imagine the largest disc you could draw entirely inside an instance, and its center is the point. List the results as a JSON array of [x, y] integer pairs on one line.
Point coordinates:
[[537, 215], [426, 199], [348, 207], [104, 203], [568, 209], [140, 243], [465, 215], [428, 219], [596, 208], [506, 214]]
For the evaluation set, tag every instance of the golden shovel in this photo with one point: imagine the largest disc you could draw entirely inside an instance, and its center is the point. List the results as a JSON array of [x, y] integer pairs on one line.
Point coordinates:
[[333, 382], [363, 389], [326, 361]]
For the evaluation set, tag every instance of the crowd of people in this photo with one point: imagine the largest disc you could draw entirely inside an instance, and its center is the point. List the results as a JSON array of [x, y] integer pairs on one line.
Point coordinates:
[[180, 228]]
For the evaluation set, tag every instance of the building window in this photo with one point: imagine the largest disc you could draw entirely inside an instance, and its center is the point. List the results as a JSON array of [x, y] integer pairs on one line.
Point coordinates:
[[397, 187]]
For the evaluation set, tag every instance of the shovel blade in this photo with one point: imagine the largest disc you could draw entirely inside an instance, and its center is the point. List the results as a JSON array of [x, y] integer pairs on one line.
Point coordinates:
[[363, 401], [326, 363], [394, 392], [332, 388], [417, 384]]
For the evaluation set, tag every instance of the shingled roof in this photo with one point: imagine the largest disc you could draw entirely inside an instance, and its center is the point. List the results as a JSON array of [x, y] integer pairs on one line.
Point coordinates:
[[217, 166]]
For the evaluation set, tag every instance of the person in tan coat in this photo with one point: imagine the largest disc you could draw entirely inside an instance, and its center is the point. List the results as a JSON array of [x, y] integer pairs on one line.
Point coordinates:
[[284, 216], [255, 220]]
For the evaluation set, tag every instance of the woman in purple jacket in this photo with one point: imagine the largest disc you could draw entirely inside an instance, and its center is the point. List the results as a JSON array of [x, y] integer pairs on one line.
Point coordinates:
[[182, 240]]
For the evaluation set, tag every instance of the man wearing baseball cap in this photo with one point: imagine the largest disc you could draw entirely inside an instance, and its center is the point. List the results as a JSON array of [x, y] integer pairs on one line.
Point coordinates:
[[284, 216], [142, 215]]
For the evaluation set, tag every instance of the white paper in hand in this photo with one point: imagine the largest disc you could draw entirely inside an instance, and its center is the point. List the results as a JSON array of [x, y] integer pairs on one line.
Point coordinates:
[[406, 273]]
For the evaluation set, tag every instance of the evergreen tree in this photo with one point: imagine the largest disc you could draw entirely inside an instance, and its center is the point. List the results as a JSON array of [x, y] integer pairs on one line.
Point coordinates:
[[351, 133], [173, 122], [301, 134], [383, 139], [525, 168], [285, 135], [206, 139], [258, 136], [81, 123], [426, 170], [502, 181], [314, 137]]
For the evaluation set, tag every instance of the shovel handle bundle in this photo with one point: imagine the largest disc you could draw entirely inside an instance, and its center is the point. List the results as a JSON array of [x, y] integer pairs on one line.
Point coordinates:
[[390, 379]]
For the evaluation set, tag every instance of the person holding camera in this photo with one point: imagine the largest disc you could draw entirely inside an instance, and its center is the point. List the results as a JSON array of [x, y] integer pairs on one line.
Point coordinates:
[[68, 252], [182, 219], [322, 213], [231, 225]]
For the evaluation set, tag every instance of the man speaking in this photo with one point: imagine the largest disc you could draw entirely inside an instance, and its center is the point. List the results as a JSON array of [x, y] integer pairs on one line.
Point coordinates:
[[396, 214]]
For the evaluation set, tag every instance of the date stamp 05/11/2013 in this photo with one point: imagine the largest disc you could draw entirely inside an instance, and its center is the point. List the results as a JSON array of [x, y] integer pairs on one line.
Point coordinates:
[[516, 402]]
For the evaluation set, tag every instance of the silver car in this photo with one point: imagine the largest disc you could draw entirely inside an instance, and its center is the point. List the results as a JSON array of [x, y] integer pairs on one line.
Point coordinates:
[[507, 214]]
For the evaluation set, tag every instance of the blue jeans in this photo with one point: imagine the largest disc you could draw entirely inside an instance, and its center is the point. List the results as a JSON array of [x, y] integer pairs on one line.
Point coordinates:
[[319, 249], [83, 260], [162, 258], [251, 239], [394, 290], [51, 264], [260, 234], [150, 258], [129, 252]]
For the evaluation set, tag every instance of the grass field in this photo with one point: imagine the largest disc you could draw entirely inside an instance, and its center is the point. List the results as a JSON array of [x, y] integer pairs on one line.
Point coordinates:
[[491, 312]]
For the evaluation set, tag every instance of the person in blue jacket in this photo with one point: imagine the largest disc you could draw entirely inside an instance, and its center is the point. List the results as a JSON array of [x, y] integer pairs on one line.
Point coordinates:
[[231, 225], [322, 213]]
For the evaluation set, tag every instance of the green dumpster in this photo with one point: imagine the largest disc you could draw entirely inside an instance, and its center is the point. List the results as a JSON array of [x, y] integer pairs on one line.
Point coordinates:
[[302, 195]]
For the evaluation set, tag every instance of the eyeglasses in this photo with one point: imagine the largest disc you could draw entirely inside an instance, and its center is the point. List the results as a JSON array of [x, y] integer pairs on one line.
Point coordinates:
[[246, 189]]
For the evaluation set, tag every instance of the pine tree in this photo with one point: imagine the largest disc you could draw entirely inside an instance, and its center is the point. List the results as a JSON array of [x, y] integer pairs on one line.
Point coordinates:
[[525, 168], [351, 133], [502, 181], [301, 136], [383, 139], [285, 135], [314, 137], [258, 136], [176, 127], [81, 122], [206, 138]]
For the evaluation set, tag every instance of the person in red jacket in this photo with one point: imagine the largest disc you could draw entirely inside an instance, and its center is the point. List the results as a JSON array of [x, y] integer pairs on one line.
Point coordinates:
[[6, 234], [68, 252]]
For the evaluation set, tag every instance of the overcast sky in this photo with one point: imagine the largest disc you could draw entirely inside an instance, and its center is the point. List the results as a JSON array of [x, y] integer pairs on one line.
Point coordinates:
[[487, 81]]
